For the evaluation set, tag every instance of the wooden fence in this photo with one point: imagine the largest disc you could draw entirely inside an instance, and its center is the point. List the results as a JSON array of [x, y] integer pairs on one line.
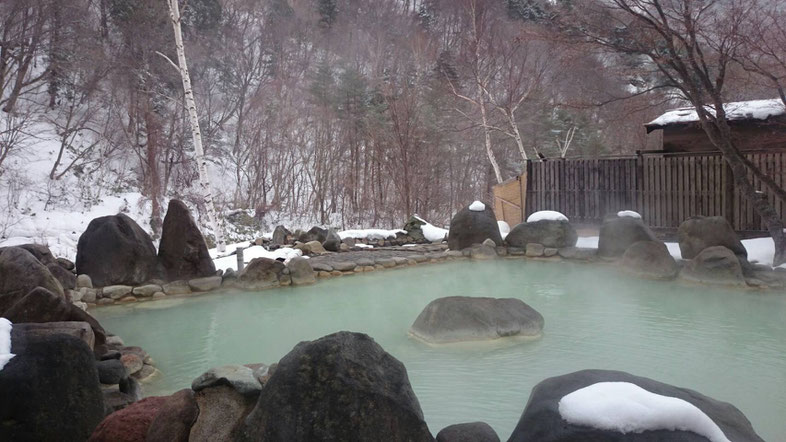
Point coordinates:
[[664, 189]]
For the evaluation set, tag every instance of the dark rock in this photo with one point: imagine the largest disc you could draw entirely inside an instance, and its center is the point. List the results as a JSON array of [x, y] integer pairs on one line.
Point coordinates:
[[115, 250], [115, 400], [316, 233], [698, 233], [620, 232], [468, 432], [714, 265], [343, 386], [41, 305], [41, 253], [414, 228], [175, 418], [66, 264], [463, 318], [49, 391], [182, 251], [542, 422], [131, 423], [549, 233], [261, 273], [111, 371], [281, 236], [110, 354], [651, 260], [469, 227], [221, 410], [21, 272], [300, 271], [131, 387], [332, 241], [66, 279], [77, 329]]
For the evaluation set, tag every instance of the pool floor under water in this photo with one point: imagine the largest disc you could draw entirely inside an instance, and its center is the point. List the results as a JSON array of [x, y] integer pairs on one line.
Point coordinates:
[[727, 344]]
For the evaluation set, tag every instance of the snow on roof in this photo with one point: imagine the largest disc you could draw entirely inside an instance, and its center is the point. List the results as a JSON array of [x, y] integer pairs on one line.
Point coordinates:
[[5, 342], [628, 408], [739, 110]]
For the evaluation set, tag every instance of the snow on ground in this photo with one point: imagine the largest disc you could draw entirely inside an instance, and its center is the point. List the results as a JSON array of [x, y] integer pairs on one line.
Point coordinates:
[[628, 214], [754, 109], [230, 261], [760, 250], [546, 215], [370, 233], [477, 206], [628, 408], [5, 342], [504, 229], [60, 228], [364, 246]]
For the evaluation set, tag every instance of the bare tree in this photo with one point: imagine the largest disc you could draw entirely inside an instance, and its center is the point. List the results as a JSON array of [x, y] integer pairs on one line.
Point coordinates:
[[691, 44]]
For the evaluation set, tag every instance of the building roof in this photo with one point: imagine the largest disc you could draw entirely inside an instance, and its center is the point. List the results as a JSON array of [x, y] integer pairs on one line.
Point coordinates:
[[735, 111]]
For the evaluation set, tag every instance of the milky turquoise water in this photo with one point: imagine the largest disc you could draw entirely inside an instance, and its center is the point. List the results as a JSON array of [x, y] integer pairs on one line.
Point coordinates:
[[727, 344]]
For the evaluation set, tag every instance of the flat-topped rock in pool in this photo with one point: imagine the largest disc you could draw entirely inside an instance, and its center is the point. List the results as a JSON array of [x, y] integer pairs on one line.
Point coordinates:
[[462, 318]]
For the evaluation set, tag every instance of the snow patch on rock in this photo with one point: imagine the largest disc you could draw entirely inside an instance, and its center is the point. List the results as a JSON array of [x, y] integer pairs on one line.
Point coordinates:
[[628, 214], [504, 229], [549, 215], [5, 342], [628, 408], [431, 232], [477, 206], [370, 233]]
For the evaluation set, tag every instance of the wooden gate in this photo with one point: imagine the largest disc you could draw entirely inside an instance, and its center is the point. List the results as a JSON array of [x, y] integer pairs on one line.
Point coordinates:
[[509, 200]]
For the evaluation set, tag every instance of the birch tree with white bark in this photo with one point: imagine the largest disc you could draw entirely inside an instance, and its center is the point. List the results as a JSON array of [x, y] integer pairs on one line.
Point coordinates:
[[193, 117]]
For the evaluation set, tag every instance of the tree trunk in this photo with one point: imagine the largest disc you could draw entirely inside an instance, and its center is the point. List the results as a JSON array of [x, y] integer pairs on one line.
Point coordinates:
[[487, 135], [196, 134]]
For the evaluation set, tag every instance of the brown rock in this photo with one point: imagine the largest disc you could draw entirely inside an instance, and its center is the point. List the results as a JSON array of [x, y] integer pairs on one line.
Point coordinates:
[[130, 424], [175, 418], [221, 409]]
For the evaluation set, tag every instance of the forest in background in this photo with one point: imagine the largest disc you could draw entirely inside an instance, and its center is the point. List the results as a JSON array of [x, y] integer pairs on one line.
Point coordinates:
[[346, 112]]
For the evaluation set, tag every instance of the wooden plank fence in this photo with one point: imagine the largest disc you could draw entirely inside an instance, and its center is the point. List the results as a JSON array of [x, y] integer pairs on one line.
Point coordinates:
[[664, 189]]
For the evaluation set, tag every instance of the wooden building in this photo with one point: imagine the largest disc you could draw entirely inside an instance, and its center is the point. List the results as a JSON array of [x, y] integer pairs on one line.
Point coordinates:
[[756, 125]]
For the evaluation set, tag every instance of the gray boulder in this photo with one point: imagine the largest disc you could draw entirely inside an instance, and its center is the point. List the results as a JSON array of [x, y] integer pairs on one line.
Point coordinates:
[[651, 260], [49, 391], [183, 251], [280, 236], [115, 250], [698, 233], [462, 318], [549, 233], [343, 386], [41, 253], [315, 233], [414, 228], [21, 272], [714, 265], [541, 420], [66, 279], [618, 233], [468, 227], [301, 272], [468, 432], [260, 273], [482, 252], [239, 377], [332, 241]]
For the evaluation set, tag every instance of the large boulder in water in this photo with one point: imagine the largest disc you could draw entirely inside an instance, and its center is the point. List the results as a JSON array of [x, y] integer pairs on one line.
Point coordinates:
[[714, 265], [49, 391], [651, 260], [182, 251], [541, 420], [21, 272], [343, 386], [260, 273], [620, 232], [463, 318], [700, 232], [473, 225], [115, 250], [550, 233], [468, 432]]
